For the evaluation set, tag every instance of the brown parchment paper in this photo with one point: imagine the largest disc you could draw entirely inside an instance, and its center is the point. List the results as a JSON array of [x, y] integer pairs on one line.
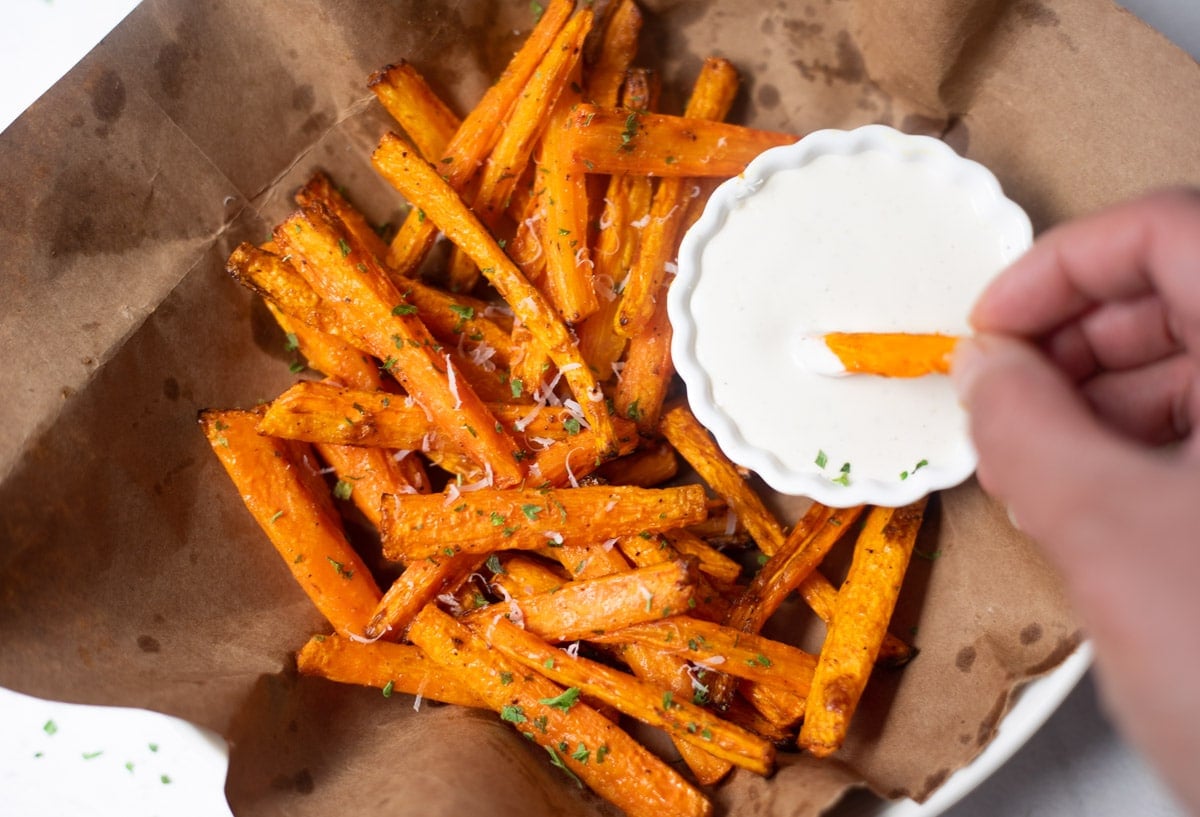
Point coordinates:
[[131, 575]]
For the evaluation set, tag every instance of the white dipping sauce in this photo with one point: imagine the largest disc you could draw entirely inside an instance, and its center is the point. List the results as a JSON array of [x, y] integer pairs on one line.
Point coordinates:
[[867, 242]]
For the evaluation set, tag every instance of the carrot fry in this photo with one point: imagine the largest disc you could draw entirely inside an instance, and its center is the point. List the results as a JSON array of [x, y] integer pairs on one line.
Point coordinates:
[[892, 354], [713, 94], [673, 674], [319, 189], [421, 582], [724, 649], [567, 282], [523, 127], [694, 444], [649, 466], [711, 561], [567, 461], [478, 132], [327, 353], [365, 475], [583, 609], [812, 537], [648, 368], [421, 183], [578, 738], [615, 140], [680, 718], [789, 568], [326, 413], [618, 48], [351, 281], [521, 576], [625, 213], [864, 607], [707, 602], [416, 526], [278, 481], [390, 667], [426, 119], [780, 705], [277, 281]]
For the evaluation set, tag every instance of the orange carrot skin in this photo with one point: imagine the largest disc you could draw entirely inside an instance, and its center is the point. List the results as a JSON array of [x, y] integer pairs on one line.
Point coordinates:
[[892, 354]]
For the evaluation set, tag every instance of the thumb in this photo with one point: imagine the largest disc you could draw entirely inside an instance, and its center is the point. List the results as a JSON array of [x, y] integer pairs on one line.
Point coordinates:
[[1041, 448]]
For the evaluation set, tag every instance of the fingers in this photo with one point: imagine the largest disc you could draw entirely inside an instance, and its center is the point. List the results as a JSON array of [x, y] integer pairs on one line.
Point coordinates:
[[1041, 449], [1151, 404], [1123, 253], [1113, 337]]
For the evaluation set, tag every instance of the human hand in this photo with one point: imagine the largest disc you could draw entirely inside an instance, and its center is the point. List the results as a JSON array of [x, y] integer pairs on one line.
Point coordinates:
[[1085, 368]]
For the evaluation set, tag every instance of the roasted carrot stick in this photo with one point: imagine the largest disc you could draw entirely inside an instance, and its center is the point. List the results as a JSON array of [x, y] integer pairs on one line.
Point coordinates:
[[386, 666], [577, 737], [477, 134], [417, 526], [860, 618], [892, 354], [420, 182], [615, 140], [278, 481], [645, 702]]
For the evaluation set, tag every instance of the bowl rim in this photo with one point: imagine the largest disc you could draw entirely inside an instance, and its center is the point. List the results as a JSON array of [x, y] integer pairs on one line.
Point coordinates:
[[730, 438]]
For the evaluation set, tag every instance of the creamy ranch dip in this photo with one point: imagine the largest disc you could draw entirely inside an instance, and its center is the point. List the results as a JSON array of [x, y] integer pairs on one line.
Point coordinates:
[[868, 242]]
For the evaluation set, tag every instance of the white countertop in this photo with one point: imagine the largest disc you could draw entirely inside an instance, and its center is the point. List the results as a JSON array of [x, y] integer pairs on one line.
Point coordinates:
[[133, 763]]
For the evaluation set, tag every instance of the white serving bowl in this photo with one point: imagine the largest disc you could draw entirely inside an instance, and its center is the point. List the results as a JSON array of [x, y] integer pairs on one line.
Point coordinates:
[[862, 230]]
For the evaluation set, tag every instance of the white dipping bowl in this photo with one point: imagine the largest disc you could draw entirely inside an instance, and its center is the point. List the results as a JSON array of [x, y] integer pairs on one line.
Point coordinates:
[[868, 230]]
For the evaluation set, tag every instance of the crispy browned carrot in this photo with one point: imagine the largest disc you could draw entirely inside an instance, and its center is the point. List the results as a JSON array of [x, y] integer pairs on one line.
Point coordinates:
[[724, 649], [694, 444], [320, 189], [864, 607], [567, 281], [452, 320], [365, 475], [711, 561], [805, 547], [521, 576], [278, 481], [618, 48], [646, 378], [324, 412], [624, 216], [652, 464], [328, 353], [577, 737], [787, 569], [390, 667], [892, 354], [716, 86], [671, 673], [477, 134], [523, 127], [406, 95], [417, 526], [680, 718], [614, 140], [420, 182], [351, 281], [422, 581], [707, 602], [567, 461], [584, 608]]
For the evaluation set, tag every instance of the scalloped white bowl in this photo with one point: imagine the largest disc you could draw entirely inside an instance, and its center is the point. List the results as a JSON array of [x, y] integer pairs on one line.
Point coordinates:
[[750, 418]]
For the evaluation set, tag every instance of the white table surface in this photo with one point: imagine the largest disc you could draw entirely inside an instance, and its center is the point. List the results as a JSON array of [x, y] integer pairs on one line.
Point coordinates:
[[131, 763]]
